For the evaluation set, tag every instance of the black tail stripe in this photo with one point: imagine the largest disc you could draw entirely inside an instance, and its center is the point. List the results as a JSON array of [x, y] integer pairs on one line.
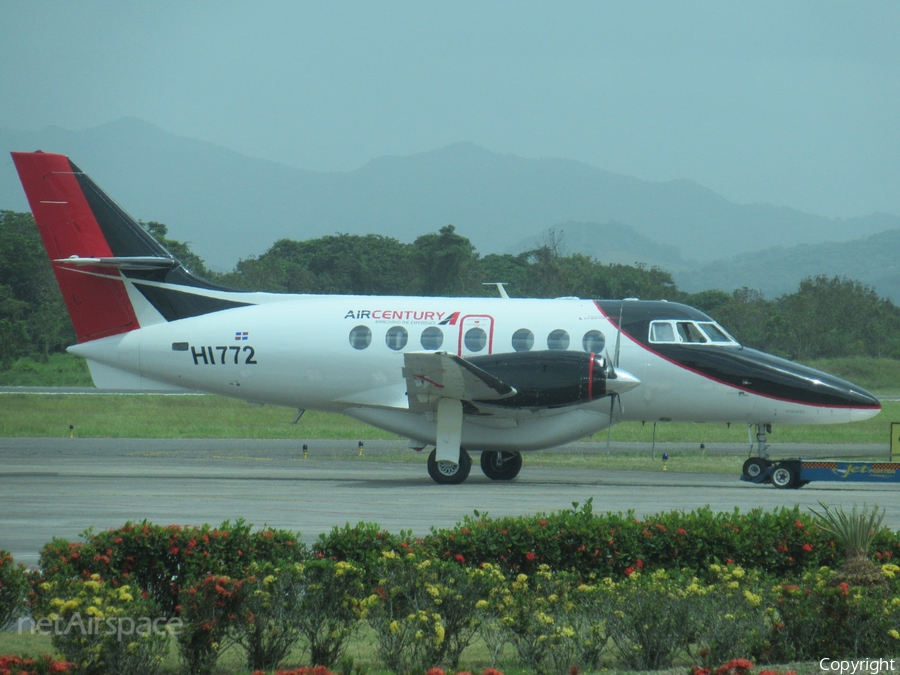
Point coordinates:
[[174, 305]]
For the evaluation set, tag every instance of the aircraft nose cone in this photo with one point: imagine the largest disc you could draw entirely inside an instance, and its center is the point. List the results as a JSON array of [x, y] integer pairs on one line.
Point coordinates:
[[622, 382], [802, 384]]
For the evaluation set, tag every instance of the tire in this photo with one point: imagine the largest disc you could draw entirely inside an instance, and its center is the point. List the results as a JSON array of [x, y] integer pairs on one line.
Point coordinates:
[[501, 465], [449, 473], [784, 476], [754, 467]]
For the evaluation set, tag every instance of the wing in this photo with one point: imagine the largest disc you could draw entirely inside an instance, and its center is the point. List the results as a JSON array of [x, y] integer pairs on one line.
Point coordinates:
[[431, 376]]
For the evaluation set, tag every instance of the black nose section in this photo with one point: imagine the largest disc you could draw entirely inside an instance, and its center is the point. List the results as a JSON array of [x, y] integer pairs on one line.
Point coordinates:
[[773, 376]]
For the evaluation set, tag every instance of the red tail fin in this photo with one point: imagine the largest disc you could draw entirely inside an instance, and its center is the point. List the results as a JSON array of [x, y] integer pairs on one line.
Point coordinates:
[[96, 298]]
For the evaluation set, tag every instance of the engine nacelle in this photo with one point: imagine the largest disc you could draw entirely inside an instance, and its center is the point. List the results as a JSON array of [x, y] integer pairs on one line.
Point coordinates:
[[546, 379]]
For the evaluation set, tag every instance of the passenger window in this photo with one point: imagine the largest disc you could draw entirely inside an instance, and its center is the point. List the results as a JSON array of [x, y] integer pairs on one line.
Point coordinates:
[[396, 338], [558, 339], [662, 332], [432, 338], [593, 342], [360, 337], [523, 340], [475, 339], [689, 332]]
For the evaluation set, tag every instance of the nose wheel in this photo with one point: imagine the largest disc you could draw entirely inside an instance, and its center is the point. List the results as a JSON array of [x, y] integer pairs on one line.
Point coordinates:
[[755, 467], [501, 465]]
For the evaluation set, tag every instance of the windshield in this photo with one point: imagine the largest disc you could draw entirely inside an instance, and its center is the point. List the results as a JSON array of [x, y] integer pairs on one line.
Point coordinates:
[[692, 332]]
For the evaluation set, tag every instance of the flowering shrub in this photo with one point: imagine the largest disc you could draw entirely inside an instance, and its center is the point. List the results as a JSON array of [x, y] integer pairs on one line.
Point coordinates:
[[104, 629], [735, 667], [267, 629], [815, 617], [210, 610], [317, 601], [655, 619], [784, 541], [362, 544], [161, 560], [424, 611], [729, 615], [13, 588], [15, 665], [553, 621]]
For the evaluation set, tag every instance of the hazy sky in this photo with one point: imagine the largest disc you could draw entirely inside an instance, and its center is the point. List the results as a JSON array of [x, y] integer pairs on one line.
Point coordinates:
[[793, 103]]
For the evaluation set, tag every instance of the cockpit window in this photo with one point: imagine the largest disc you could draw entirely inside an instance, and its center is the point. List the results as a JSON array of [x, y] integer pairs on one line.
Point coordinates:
[[691, 332], [714, 333], [662, 331]]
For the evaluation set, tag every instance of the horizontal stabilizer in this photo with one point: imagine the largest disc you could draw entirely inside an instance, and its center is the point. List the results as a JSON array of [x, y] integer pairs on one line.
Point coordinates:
[[431, 376], [122, 263]]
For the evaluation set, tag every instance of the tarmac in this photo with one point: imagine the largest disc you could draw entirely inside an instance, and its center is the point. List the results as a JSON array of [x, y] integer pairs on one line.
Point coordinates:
[[59, 487]]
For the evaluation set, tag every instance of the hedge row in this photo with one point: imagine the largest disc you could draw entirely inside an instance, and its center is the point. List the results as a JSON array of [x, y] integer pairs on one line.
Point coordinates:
[[171, 566]]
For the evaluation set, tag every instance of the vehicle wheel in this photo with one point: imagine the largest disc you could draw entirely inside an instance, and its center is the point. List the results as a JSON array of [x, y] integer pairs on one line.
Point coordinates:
[[784, 476], [754, 467], [501, 465], [449, 473]]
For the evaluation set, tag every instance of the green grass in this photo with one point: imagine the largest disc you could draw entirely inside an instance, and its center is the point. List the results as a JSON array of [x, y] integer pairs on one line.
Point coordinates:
[[60, 370], [156, 416], [877, 375]]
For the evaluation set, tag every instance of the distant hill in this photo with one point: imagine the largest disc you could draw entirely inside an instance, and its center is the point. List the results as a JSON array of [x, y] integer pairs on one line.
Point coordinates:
[[609, 243], [775, 271], [229, 206]]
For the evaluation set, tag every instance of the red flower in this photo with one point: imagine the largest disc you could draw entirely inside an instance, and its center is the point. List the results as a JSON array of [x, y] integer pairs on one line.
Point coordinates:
[[845, 589], [529, 556], [807, 547], [681, 530], [629, 571], [460, 558], [434, 671], [640, 564]]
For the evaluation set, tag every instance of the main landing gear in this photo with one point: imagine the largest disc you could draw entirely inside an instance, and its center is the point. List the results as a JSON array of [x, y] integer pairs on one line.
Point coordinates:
[[449, 473], [501, 465], [495, 465]]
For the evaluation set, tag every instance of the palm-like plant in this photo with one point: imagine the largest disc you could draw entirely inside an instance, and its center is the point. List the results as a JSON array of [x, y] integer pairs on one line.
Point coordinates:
[[854, 532]]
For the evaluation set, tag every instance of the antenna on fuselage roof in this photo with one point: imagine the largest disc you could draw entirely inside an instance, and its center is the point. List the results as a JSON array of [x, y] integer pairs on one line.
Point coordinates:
[[500, 287]]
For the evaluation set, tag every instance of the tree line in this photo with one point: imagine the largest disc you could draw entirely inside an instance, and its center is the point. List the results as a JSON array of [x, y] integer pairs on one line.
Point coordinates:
[[827, 317]]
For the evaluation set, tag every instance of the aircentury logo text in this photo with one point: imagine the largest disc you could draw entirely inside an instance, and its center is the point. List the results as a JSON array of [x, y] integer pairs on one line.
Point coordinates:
[[394, 315]]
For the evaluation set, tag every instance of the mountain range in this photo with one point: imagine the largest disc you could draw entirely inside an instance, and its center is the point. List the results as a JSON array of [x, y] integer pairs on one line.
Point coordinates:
[[230, 206]]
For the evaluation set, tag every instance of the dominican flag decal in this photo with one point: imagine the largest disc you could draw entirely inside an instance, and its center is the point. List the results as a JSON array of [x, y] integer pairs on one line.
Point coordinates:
[[241, 336]]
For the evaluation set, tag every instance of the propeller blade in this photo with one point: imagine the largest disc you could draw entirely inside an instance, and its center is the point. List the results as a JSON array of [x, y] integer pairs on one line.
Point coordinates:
[[619, 334]]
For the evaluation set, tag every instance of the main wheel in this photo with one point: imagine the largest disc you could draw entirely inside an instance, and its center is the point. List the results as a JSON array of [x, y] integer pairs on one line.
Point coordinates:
[[784, 476], [449, 473], [501, 465], [755, 466]]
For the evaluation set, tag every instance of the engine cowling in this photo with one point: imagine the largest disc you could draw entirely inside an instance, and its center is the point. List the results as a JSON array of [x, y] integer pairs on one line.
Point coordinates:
[[547, 379]]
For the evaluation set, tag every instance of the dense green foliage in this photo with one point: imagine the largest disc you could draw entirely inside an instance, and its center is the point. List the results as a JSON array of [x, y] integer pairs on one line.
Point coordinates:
[[827, 317], [567, 588]]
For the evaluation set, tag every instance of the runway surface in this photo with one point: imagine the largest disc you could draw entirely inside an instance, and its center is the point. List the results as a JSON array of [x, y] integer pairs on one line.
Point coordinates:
[[59, 487]]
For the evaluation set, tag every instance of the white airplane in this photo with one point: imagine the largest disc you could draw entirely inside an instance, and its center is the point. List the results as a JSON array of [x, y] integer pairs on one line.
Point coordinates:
[[495, 375]]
